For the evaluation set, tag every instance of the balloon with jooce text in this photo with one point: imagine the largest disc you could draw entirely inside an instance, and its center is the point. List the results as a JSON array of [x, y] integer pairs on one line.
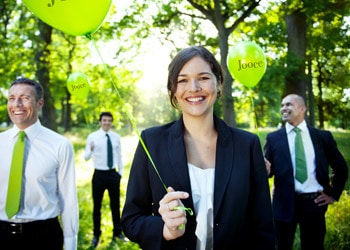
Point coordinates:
[[74, 17], [246, 62], [78, 85]]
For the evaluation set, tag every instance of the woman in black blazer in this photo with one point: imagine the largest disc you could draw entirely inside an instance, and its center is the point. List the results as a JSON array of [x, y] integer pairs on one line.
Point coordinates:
[[201, 164]]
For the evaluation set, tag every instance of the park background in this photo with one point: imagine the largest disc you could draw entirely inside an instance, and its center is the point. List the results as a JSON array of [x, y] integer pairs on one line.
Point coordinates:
[[306, 46]]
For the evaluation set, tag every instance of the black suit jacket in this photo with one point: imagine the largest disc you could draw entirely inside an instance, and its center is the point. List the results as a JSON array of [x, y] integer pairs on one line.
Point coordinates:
[[242, 208], [326, 154]]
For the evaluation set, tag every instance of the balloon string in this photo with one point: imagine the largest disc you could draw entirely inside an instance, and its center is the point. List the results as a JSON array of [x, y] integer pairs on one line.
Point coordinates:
[[86, 119], [189, 210], [128, 113], [255, 115]]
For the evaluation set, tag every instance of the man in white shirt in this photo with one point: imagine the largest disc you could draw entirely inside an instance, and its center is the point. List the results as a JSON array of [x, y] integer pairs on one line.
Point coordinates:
[[48, 196], [105, 176]]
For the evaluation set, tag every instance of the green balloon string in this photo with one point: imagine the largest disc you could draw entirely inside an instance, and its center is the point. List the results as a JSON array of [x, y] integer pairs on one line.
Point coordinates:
[[86, 118], [88, 36], [88, 123], [256, 125], [127, 111], [189, 210]]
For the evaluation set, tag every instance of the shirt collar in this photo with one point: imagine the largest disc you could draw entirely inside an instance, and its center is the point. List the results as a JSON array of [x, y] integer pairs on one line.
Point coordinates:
[[104, 132], [30, 131], [302, 126]]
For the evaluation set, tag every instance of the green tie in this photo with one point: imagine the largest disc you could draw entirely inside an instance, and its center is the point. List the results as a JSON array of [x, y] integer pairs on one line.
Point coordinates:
[[300, 161], [109, 152], [15, 180]]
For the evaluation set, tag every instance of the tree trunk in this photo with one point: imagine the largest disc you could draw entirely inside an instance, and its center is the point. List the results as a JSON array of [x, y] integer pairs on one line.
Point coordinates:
[[48, 118], [218, 17], [66, 113], [320, 102], [223, 34], [67, 110], [227, 99], [310, 95], [296, 39]]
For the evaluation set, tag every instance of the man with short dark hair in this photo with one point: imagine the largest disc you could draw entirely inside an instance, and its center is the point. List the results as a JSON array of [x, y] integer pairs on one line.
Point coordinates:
[[105, 176]]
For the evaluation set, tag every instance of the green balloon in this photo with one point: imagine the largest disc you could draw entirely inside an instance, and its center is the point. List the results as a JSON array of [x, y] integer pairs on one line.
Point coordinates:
[[74, 17], [246, 62], [78, 85]]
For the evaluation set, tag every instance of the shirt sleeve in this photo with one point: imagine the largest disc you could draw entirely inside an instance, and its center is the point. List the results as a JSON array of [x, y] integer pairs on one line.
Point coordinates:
[[88, 152], [68, 195], [119, 154], [70, 243]]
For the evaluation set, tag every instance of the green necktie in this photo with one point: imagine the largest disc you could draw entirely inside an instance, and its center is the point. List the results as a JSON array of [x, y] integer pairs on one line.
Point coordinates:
[[109, 152], [300, 161], [15, 180]]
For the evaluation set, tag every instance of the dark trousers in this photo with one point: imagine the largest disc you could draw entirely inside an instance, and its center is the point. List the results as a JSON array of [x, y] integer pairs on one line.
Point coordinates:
[[40, 235], [101, 181], [312, 225]]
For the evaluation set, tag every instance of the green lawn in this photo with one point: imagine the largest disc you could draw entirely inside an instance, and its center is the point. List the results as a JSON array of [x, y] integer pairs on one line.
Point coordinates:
[[129, 142], [84, 175]]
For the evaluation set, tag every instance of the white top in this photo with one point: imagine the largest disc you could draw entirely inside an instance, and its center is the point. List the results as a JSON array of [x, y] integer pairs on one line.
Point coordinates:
[[49, 184], [202, 187], [310, 185], [99, 155]]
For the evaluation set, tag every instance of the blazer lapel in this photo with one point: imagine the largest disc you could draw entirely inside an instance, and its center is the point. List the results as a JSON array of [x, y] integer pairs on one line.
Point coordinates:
[[177, 154], [283, 144], [224, 159], [316, 144]]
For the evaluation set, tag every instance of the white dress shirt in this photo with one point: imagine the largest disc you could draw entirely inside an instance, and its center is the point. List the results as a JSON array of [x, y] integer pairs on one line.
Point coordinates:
[[49, 184], [310, 185], [99, 155], [202, 187]]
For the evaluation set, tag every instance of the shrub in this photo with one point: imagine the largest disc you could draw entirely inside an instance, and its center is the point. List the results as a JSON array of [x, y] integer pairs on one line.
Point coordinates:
[[338, 224]]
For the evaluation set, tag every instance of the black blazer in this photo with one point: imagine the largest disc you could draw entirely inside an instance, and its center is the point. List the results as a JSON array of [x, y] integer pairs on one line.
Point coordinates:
[[242, 208], [326, 154]]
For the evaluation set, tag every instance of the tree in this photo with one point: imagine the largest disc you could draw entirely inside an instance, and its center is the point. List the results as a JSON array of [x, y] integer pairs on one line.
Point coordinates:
[[6, 10], [328, 44], [323, 78], [32, 49], [325, 64], [312, 24], [42, 59], [296, 40], [225, 16]]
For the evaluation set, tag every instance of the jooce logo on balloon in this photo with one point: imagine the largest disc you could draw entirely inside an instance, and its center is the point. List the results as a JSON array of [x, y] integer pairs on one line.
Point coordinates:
[[242, 65], [78, 85], [247, 63]]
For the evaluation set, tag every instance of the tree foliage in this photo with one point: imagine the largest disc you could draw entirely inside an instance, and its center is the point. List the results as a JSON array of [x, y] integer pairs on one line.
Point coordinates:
[[30, 48], [326, 79], [215, 24], [225, 16]]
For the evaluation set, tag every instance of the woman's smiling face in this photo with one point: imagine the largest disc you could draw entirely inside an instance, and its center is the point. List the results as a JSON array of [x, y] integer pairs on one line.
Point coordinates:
[[197, 87]]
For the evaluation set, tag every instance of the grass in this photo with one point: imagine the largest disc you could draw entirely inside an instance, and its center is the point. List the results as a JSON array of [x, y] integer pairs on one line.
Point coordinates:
[[84, 175], [129, 143]]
